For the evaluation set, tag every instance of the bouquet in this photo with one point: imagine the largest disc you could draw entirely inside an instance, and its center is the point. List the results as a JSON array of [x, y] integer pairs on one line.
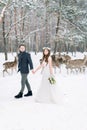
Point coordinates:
[[52, 80]]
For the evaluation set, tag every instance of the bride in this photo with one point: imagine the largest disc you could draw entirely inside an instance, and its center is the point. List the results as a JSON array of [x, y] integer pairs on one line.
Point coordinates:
[[47, 92]]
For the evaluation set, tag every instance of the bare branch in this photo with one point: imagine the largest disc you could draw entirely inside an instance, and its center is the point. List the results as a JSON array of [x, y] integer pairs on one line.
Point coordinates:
[[14, 25], [3, 10], [37, 30], [2, 14], [2, 2], [78, 28]]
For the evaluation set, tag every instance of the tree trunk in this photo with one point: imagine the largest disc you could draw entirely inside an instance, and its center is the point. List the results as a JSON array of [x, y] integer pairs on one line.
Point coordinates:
[[47, 22], [16, 36], [57, 29], [22, 24], [4, 38]]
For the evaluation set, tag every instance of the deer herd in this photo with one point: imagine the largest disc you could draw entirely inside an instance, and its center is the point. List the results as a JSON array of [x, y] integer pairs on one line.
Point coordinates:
[[71, 65], [74, 65]]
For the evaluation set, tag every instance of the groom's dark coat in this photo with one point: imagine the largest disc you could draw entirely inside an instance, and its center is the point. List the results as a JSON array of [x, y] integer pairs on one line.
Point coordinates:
[[24, 62]]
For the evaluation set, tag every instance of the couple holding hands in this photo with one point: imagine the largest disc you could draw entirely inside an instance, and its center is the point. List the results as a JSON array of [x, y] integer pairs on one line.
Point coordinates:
[[45, 93]]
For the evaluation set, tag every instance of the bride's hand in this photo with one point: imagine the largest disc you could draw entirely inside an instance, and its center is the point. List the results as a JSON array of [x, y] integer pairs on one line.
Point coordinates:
[[52, 75], [33, 71]]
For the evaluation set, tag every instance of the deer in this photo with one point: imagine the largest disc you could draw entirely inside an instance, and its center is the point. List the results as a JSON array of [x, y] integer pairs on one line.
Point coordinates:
[[65, 58], [10, 65], [77, 64], [56, 61]]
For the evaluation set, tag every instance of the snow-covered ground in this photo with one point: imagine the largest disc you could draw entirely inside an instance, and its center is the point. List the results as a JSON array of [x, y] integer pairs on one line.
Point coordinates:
[[25, 114]]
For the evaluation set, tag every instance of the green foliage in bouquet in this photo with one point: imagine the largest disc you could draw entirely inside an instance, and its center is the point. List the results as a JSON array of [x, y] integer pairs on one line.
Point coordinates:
[[52, 80]]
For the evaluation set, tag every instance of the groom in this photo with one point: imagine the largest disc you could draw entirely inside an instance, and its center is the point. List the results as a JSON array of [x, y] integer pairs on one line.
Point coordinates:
[[24, 62]]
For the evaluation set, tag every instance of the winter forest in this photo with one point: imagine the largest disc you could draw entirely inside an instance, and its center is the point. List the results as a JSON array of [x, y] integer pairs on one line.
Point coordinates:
[[59, 24], [62, 26]]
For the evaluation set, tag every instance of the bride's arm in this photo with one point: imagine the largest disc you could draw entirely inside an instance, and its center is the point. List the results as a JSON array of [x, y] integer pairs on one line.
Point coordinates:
[[50, 65], [39, 67]]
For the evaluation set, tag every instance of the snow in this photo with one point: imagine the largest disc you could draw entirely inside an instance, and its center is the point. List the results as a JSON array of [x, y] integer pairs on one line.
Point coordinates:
[[25, 114]]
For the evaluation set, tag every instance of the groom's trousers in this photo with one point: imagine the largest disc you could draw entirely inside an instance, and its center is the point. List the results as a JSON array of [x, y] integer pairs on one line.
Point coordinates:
[[24, 81]]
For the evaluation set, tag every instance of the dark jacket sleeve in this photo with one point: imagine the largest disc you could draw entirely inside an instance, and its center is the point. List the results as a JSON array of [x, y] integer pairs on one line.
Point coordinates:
[[19, 62], [30, 62]]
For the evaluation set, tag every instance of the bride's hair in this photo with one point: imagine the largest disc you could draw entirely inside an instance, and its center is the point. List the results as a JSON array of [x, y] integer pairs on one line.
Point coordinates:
[[45, 57]]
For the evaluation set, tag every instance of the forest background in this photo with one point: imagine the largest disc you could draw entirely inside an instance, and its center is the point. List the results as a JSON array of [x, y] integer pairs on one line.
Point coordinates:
[[59, 24]]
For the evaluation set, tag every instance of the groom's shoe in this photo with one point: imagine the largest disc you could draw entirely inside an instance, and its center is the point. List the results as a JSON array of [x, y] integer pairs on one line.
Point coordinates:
[[28, 94], [19, 95]]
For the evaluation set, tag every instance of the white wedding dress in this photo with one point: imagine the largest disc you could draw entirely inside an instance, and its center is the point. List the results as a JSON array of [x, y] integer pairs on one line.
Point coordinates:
[[47, 93]]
